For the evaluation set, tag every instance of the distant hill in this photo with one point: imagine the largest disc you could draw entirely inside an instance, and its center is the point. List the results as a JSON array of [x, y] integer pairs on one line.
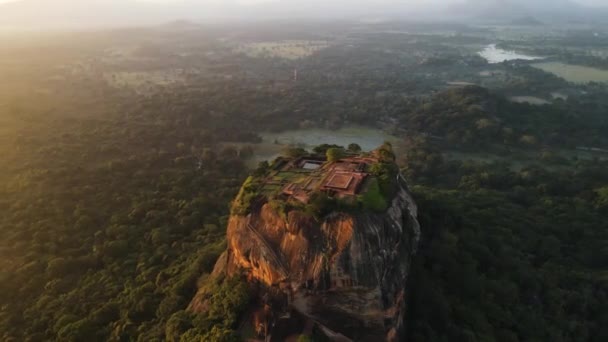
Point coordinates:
[[79, 13], [520, 10], [38, 13], [181, 24], [527, 21]]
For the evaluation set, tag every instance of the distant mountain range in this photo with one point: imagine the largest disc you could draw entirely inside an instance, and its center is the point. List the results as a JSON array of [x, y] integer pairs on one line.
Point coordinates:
[[527, 21], [70, 13], [512, 7], [513, 10]]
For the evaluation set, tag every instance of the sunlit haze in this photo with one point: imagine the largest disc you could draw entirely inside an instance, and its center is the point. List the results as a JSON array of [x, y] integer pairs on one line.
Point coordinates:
[[304, 170], [41, 13]]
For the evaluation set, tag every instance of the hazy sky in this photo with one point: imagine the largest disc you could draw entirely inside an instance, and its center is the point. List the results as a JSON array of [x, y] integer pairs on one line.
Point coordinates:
[[256, 2], [413, 2], [20, 13]]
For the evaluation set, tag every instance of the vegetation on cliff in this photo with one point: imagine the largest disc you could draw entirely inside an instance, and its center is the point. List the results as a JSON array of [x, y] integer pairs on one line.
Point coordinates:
[[274, 182], [226, 300]]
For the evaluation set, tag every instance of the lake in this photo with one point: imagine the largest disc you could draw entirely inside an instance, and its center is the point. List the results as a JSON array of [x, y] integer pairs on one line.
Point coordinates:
[[496, 55], [533, 100], [368, 138], [574, 73]]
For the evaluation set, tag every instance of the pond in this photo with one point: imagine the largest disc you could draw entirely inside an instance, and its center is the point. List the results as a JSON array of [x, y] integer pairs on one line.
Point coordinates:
[[574, 73], [533, 100], [496, 55], [366, 137]]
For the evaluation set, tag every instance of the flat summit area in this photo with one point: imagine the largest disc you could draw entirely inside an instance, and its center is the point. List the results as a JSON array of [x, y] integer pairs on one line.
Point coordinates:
[[345, 177]]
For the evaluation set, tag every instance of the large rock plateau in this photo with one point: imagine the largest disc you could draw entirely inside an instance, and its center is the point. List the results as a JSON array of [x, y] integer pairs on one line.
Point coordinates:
[[342, 277]]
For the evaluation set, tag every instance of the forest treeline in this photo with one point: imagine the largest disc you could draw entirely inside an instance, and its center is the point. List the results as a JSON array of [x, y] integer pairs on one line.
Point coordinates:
[[113, 203], [476, 118], [108, 223], [508, 255]]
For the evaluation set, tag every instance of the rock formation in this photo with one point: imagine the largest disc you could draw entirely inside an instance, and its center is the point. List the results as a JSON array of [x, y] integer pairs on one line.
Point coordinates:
[[341, 276]]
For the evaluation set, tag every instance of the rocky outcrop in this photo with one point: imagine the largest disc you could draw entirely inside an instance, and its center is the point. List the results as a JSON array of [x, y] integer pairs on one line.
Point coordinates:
[[346, 274]]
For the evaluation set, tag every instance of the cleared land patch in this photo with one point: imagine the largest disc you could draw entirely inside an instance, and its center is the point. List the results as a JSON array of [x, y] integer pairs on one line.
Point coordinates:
[[145, 80], [288, 49], [574, 73]]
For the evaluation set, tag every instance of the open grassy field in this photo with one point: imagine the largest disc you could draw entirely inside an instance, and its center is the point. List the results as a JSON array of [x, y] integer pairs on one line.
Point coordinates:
[[140, 81], [574, 73], [288, 49]]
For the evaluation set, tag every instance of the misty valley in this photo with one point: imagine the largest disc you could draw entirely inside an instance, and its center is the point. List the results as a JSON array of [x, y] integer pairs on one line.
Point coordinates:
[[326, 180]]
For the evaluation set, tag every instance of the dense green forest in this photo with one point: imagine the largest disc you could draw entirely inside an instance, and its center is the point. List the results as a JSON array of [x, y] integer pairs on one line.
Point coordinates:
[[508, 255], [108, 223], [114, 196], [474, 117]]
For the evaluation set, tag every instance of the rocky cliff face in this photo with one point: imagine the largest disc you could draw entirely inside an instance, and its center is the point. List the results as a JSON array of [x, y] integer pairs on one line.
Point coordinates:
[[344, 275]]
